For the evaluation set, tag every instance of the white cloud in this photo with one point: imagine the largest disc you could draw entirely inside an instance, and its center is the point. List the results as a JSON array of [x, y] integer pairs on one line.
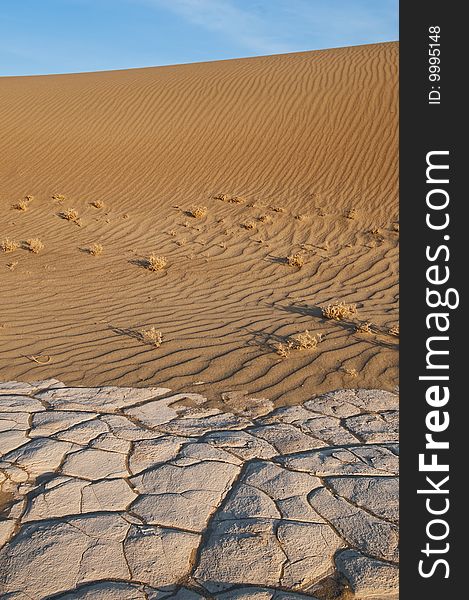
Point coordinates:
[[241, 25]]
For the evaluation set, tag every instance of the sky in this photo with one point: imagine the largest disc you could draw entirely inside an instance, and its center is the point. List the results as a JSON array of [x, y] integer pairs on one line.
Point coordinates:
[[66, 36]]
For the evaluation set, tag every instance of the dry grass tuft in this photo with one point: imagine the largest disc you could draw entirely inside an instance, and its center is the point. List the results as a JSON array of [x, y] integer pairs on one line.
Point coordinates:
[[232, 199], [248, 225], [9, 245], [351, 372], [265, 219], [306, 340], [34, 245], [277, 209], [301, 217], [351, 213], [339, 311], [198, 212], [95, 249], [21, 205], [295, 260], [151, 336], [58, 197], [156, 263], [98, 204], [70, 214], [365, 327], [283, 350], [394, 330], [300, 341]]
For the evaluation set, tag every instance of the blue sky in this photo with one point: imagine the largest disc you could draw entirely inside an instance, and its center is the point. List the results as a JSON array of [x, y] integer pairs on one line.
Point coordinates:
[[63, 36]]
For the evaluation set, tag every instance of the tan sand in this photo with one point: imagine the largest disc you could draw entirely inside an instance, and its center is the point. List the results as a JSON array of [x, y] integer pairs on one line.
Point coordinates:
[[313, 134]]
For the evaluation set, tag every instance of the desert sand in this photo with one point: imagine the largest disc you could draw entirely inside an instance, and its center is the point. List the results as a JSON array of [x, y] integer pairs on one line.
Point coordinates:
[[289, 154]]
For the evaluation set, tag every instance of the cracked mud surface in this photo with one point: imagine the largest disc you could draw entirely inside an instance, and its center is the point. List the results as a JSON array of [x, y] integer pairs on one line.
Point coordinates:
[[125, 494]]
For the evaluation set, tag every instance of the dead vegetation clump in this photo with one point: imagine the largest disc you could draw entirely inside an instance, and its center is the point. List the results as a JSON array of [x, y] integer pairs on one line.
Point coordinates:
[[8, 245], [231, 199], [156, 263], [58, 197], [351, 372], [338, 311], [248, 225], [283, 350], [264, 219], [394, 330], [301, 217], [98, 204], [22, 205], [151, 336], [306, 340], [295, 260], [351, 213], [300, 341], [198, 212], [70, 214], [277, 209], [95, 249], [366, 327], [34, 245]]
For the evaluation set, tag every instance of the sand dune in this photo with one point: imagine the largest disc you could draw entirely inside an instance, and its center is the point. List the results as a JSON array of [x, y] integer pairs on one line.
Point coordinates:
[[308, 140]]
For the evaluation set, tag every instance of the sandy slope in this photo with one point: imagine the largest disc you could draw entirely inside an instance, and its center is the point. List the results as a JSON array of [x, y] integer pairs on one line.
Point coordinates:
[[314, 133]]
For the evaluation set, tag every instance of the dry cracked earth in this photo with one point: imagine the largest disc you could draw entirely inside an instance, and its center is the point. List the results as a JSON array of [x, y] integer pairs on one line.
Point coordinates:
[[128, 494]]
